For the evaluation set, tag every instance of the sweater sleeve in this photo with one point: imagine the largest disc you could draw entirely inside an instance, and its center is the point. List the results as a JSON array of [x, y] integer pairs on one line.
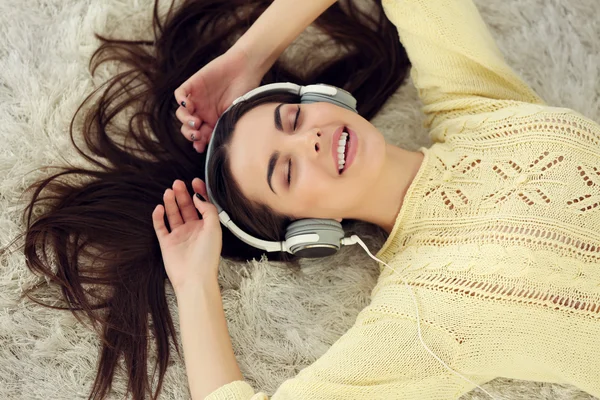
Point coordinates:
[[457, 67], [380, 357]]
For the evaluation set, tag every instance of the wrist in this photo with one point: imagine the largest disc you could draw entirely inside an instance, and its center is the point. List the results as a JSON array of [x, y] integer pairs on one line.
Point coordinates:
[[193, 287], [257, 60]]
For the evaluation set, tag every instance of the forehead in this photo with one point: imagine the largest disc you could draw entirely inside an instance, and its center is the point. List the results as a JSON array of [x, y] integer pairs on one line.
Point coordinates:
[[253, 141]]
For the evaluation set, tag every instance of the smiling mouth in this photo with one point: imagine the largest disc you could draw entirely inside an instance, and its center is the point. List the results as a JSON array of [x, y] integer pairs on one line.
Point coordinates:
[[343, 144]]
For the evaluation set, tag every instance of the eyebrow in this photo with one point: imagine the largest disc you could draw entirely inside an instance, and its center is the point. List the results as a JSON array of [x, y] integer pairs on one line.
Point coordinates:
[[275, 156], [272, 162], [277, 118]]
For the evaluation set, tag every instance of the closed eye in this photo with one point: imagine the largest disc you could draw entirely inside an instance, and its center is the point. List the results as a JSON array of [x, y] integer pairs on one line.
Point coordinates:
[[297, 117], [289, 174]]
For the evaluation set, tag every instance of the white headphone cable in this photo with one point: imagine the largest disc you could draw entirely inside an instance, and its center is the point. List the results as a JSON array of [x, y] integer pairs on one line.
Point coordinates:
[[354, 240]]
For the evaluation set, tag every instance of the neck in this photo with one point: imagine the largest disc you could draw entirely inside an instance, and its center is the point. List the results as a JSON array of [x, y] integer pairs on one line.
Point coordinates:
[[387, 197]]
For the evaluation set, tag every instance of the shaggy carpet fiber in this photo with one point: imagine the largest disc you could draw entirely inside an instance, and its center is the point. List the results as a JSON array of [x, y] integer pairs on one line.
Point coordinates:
[[280, 319]]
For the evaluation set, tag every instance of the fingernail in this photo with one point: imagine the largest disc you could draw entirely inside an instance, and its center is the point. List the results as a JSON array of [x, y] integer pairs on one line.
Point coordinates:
[[183, 103], [198, 195], [191, 123]]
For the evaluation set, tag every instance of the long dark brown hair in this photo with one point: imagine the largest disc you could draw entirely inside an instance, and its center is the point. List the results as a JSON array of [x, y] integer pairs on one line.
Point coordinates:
[[89, 230]]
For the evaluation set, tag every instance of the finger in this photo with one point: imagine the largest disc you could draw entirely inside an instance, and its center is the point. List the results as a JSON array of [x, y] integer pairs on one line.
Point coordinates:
[[173, 215], [205, 134], [184, 116], [200, 145], [209, 212], [200, 187], [206, 131], [189, 133], [188, 104], [184, 201], [158, 222], [182, 93]]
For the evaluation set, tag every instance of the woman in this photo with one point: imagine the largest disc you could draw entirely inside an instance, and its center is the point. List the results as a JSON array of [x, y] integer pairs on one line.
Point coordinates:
[[90, 231], [494, 226]]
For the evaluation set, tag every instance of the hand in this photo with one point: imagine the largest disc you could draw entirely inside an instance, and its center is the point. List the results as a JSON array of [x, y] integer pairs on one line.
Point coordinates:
[[192, 249], [210, 91]]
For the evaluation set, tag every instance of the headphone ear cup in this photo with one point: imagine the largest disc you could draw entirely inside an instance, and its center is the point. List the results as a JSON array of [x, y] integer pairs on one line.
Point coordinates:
[[330, 234]]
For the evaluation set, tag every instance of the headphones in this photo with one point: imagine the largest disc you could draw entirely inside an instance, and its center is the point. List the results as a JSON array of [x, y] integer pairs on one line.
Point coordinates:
[[311, 237]]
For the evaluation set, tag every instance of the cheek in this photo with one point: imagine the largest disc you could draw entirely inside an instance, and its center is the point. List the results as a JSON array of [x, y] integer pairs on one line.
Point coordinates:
[[314, 188]]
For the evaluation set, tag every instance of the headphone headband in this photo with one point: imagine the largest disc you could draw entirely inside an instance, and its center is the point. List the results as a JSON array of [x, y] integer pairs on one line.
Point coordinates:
[[305, 238], [290, 88]]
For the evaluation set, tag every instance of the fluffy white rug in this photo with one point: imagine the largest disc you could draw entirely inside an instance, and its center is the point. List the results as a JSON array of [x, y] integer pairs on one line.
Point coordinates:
[[280, 320]]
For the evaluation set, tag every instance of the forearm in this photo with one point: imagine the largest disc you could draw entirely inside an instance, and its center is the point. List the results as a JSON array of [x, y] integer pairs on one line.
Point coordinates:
[[453, 55], [277, 28], [209, 359]]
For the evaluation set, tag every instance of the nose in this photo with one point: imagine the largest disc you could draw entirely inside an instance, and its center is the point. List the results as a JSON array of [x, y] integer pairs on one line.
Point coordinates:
[[310, 140]]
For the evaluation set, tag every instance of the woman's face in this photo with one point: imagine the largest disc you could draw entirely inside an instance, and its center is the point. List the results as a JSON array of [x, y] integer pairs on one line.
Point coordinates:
[[273, 143]]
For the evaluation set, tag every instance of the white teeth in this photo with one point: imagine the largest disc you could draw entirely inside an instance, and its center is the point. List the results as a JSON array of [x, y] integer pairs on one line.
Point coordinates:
[[341, 150]]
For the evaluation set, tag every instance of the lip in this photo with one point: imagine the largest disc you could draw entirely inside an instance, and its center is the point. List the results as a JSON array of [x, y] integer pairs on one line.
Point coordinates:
[[334, 141]]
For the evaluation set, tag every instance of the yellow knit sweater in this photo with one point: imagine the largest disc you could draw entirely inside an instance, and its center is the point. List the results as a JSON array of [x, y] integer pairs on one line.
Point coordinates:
[[498, 236]]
